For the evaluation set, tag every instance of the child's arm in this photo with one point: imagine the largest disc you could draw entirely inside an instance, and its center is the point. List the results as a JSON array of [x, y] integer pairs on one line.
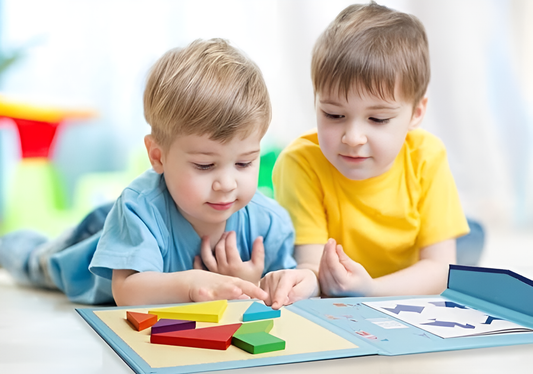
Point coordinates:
[[287, 286], [226, 259], [341, 276], [134, 288]]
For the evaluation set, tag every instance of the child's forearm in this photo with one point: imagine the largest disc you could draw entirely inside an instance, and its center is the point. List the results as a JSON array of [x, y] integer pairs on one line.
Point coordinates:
[[153, 288], [427, 277]]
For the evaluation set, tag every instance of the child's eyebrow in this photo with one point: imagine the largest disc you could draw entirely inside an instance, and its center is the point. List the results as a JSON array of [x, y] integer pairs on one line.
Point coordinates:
[[389, 107], [251, 152]]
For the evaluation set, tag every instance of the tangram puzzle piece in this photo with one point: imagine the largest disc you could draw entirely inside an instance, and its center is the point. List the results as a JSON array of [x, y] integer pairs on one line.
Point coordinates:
[[168, 325], [258, 326], [258, 342], [216, 337], [258, 311], [141, 321], [200, 312]]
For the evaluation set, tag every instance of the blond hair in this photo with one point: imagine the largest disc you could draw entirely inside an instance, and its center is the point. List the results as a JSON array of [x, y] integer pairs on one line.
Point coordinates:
[[208, 87], [371, 48]]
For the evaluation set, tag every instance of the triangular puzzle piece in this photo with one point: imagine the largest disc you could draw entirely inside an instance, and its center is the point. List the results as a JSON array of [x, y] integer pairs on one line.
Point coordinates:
[[211, 311], [257, 326], [258, 311], [141, 321], [258, 342], [168, 325], [216, 337]]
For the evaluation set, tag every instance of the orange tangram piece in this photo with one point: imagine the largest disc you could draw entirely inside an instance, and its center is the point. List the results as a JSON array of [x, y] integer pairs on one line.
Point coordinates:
[[141, 321], [216, 337]]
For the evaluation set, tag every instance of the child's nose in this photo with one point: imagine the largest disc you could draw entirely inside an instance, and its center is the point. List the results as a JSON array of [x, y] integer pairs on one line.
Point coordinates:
[[224, 183], [354, 136]]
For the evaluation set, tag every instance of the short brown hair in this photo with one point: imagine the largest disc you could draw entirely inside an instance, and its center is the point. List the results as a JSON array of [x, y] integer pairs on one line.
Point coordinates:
[[371, 47], [208, 87]]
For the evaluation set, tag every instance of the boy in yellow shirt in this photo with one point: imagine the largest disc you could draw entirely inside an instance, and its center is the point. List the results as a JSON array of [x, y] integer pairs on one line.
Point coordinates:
[[371, 196]]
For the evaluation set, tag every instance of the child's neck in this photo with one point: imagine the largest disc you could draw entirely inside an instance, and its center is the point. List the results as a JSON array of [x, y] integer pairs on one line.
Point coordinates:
[[213, 230]]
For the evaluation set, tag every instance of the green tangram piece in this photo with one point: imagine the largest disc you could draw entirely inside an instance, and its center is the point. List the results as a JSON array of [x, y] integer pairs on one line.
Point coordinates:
[[258, 342], [258, 326]]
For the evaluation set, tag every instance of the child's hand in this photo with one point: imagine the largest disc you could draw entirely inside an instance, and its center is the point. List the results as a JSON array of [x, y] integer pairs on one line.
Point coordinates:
[[228, 260], [339, 275], [287, 286], [207, 286]]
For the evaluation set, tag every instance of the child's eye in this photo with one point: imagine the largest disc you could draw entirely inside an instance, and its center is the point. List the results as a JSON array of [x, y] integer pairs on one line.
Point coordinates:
[[332, 116], [203, 166], [379, 120], [244, 164]]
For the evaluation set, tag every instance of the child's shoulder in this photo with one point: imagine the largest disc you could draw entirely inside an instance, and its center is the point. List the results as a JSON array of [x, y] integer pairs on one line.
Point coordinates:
[[424, 144], [308, 141], [260, 205], [305, 147], [148, 184]]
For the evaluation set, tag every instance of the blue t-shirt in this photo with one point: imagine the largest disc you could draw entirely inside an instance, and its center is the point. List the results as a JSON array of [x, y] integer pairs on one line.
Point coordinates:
[[144, 231]]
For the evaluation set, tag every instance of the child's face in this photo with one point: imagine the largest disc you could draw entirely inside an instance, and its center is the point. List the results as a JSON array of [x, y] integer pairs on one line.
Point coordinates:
[[209, 180], [362, 135]]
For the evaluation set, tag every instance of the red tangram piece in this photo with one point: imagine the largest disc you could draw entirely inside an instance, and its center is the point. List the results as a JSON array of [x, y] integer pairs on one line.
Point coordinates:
[[141, 321], [217, 337]]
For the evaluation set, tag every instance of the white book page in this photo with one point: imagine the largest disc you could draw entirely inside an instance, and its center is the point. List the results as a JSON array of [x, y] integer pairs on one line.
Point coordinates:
[[445, 318]]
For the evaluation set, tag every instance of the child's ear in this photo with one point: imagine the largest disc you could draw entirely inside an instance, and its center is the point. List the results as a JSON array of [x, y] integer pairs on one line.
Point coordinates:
[[155, 153], [419, 112]]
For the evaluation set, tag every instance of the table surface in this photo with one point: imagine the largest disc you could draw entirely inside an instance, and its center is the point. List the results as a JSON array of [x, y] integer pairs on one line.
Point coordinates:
[[30, 342]]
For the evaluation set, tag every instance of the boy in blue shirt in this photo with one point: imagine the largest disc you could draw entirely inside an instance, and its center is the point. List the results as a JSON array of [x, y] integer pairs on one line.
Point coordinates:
[[197, 209]]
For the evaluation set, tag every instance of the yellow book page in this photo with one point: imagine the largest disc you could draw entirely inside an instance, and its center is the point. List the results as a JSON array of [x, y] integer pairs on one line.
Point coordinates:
[[300, 335]]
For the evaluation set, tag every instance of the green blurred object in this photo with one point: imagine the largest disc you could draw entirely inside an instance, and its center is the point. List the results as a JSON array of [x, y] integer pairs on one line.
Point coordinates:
[[267, 161], [36, 199]]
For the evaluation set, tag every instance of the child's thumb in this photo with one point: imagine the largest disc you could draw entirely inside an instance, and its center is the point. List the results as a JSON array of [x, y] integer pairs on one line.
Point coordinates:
[[258, 252]]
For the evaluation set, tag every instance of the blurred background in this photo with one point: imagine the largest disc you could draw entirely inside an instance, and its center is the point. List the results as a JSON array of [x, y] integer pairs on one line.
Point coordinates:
[[91, 56]]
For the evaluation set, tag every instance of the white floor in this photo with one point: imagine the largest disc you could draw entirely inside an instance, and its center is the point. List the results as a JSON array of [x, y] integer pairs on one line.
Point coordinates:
[[40, 332]]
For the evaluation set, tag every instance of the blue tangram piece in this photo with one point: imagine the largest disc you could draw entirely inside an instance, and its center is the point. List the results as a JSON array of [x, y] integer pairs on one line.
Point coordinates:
[[258, 311], [405, 308], [448, 324], [447, 304]]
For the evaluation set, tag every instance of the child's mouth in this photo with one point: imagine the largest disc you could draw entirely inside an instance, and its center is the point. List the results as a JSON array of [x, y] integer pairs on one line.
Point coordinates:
[[354, 159], [221, 206]]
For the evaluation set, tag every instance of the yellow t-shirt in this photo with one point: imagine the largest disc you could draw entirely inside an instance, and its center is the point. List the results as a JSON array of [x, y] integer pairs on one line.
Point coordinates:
[[381, 222]]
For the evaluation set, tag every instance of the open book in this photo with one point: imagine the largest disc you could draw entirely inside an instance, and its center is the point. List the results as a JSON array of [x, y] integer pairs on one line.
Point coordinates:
[[481, 307]]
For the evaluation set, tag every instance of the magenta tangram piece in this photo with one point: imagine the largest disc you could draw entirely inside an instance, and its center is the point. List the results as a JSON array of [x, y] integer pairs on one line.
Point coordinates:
[[168, 325]]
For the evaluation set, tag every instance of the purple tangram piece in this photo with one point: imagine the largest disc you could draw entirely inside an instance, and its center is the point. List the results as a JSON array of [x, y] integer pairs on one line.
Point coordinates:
[[490, 319], [168, 325], [447, 304], [405, 308], [448, 324]]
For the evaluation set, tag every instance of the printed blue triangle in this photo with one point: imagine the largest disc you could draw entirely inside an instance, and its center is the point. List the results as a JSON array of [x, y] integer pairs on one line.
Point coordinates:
[[258, 311]]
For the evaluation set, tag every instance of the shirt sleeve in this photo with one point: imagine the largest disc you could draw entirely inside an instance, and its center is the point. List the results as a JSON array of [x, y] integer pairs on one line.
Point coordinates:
[[279, 243], [298, 189], [442, 216], [132, 239]]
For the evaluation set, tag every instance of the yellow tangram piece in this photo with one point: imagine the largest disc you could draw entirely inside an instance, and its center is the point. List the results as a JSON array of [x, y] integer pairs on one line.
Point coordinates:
[[211, 311]]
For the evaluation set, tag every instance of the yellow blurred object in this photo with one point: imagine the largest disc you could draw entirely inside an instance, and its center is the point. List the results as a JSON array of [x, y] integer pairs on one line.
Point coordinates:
[[14, 108]]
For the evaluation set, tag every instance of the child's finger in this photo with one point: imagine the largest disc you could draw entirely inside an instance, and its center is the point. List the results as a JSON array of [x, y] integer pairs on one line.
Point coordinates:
[[258, 253], [251, 289], [349, 264], [231, 251], [220, 251], [197, 264], [281, 294], [265, 284], [209, 260], [335, 269]]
